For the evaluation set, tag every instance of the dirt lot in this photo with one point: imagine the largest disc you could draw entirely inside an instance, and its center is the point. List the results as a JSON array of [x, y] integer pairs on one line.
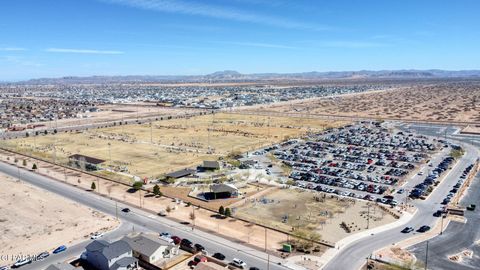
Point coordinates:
[[33, 220], [164, 146], [118, 112], [455, 101], [310, 211]]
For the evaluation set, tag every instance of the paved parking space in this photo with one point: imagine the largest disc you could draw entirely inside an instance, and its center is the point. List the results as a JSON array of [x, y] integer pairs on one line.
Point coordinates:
[[364, 160]]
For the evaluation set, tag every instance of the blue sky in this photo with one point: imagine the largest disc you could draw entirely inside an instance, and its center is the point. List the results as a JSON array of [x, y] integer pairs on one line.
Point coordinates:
[[52, 38]]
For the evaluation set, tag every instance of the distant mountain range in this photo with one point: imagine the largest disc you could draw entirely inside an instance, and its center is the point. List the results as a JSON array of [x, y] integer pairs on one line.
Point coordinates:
[[234, 76]]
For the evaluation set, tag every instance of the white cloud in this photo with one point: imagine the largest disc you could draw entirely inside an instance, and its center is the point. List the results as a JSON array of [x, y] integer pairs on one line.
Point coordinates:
[[82, 51], [261, 45], [213, 11], [351, 44], [12, 49]]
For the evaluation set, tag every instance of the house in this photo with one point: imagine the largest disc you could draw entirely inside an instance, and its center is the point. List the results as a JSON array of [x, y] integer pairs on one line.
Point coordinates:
[[180, 173], [209, 166], [110, 256], [60, 266], [150, 249], [221, 191], [82, 161]]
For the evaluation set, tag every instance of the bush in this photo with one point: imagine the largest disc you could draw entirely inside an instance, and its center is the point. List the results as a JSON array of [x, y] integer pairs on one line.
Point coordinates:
[[221, 210], [34, 167], [137, 185], [228, 212], [93, 186], [156, 190]]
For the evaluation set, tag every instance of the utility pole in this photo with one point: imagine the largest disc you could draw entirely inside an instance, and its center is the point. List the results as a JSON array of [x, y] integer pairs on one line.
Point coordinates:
[[193, 217], [140, 197], [110, 152], [368, 215], [441, 226], [426, 257], [268, 261], [265, 239], [151, 132]]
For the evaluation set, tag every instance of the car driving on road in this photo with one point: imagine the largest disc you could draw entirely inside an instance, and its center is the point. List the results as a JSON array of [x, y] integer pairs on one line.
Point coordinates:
[[239, 263], [59, 249], [407, 230], [219, 256], [424, 228]]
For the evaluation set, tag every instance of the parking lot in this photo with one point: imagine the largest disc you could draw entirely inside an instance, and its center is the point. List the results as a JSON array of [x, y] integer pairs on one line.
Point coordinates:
[[365, 160]]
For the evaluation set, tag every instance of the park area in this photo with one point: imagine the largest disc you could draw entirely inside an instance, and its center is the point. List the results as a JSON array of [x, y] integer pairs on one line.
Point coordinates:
[[293, 210], [33, 220], [153, 149]]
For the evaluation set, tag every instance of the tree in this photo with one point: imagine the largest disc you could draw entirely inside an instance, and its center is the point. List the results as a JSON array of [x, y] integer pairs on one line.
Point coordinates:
[[93, 186], [55, 131], [15, 160], [228, 212], [290, 182], [168, 209], [45, 132], [192, 216], [221, 210], [27, 135], [24, 163], [156, 190], [34, 167], [137, 185]]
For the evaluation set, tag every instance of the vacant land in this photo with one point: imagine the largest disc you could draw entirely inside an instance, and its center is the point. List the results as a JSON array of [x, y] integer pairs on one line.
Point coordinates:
[[288, 209], [118, 112], [33, 220], [455, 101], [149, 150]]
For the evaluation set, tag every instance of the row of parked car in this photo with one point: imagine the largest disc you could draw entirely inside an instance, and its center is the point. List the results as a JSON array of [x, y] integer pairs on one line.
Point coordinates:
[[421, 189], [457, 186], [374, 136], [29, 259]]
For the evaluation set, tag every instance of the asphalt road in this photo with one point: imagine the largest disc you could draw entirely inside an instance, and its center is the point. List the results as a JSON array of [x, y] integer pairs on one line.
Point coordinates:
[[358, 251], [138, 219], [458, 236]]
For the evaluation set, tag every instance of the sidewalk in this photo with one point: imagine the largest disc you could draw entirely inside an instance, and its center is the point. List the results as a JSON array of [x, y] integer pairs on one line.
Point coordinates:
[[331, 253]]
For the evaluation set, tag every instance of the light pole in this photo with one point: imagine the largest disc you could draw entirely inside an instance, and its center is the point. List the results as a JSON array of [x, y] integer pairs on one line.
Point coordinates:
[[368, 215], [426, 256], [110, 152], [441, 226]]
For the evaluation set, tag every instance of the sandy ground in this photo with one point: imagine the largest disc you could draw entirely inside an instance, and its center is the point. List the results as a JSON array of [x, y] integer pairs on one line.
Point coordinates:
[[33, 220], [117, 112], [455, 101], [308, 210], [169, 145], [473, 129]]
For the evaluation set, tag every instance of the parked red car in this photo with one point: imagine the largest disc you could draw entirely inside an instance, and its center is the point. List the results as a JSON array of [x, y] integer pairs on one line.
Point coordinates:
[[176, 240]]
